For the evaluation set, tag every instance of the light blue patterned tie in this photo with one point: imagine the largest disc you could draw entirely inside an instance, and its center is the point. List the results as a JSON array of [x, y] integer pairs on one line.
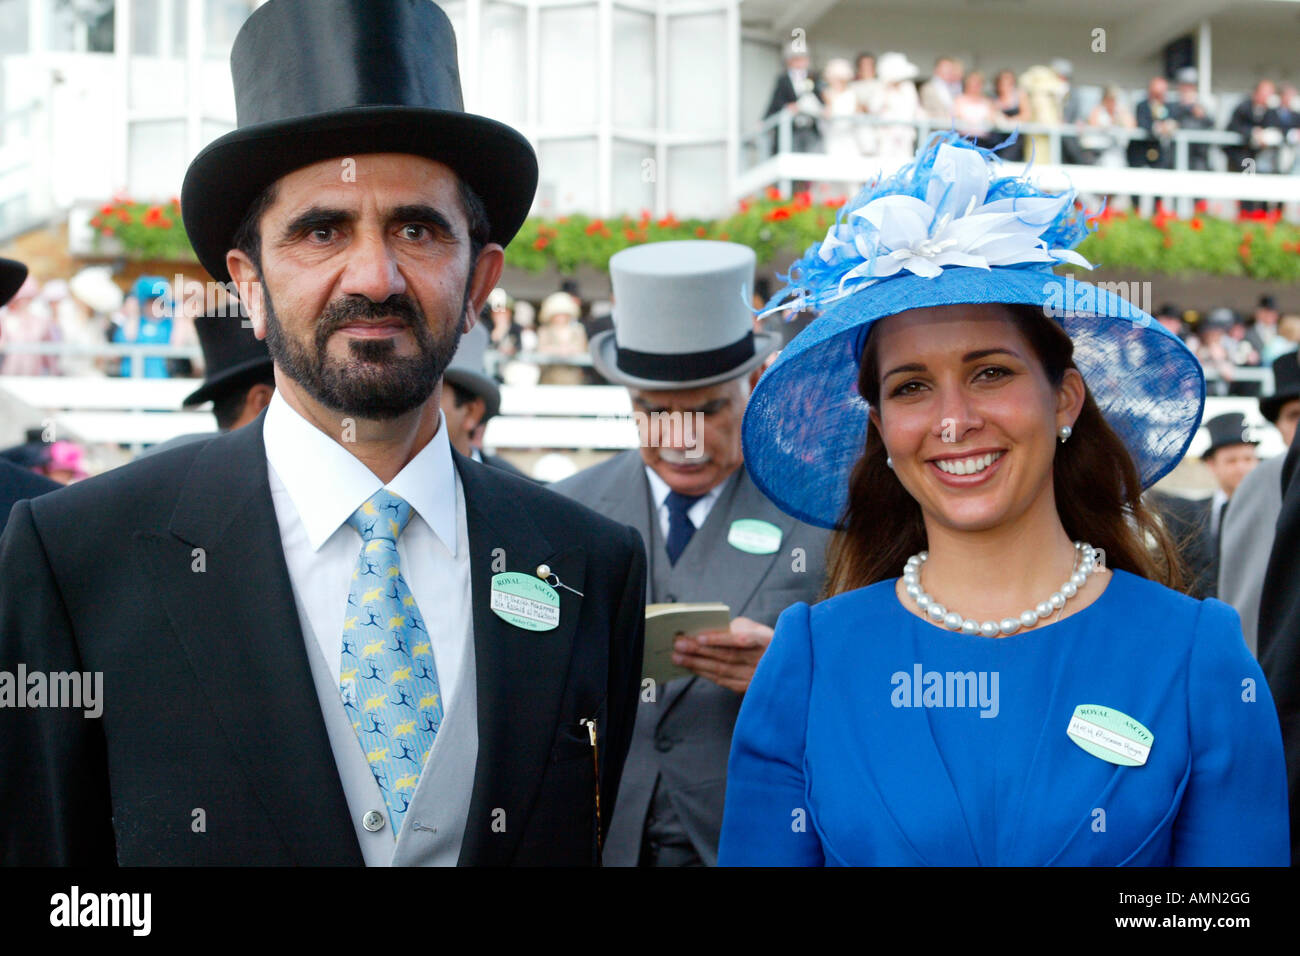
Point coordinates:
[[387, 674]]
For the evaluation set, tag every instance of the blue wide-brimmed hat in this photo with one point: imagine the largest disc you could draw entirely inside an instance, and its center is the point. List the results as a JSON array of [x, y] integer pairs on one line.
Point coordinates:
[[946, 230]]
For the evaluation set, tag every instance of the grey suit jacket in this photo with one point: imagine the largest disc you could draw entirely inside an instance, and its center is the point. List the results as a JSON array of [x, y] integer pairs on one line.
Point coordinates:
[[682, 738], [1246, 540]]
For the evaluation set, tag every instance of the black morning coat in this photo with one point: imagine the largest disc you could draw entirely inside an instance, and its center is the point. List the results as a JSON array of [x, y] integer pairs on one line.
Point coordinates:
[[1279, 632], [208, 700]]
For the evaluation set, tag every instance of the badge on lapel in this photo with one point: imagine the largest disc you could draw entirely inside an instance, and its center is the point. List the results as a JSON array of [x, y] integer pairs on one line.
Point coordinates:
[[754, 536], [525, 601], [1110, 735]]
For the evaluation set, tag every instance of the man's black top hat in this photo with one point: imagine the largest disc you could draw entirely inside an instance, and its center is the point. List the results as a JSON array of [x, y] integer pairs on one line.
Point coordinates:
[[319, 79], [1228, 429], [1286, 386], [232, 356], [12, 276]]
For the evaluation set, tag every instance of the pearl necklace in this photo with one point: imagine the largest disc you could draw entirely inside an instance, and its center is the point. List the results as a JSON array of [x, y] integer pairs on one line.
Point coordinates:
[[1085, 559]]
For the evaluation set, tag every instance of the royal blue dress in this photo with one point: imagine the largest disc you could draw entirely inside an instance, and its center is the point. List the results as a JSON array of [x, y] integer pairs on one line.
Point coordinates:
[[855, 746]]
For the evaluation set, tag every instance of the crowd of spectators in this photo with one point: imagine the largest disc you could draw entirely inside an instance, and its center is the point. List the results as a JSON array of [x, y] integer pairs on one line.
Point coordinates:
[[1115, 132], [529, 344], [1228, 342], [73, 316]]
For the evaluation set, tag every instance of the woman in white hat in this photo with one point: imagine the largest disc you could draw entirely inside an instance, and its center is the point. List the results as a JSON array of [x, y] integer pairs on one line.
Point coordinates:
[[840, 136], [896, 99], [561, 336], [1003, 673]]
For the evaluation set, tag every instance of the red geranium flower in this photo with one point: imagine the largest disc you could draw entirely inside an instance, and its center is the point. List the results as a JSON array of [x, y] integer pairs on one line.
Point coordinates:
[[700, 232], [629, 235], [773, 193], [595, 226], [780, 212], [1196, 224]]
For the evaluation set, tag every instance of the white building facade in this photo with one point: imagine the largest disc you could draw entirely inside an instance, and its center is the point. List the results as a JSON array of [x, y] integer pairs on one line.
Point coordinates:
[[631, 104]]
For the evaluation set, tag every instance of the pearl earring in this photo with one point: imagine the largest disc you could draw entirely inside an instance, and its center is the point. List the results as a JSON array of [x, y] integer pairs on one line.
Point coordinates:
[[1065, 431], [889, 461]]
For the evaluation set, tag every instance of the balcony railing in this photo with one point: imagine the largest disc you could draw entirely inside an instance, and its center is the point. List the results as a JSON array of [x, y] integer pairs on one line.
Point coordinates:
[[760, 167]]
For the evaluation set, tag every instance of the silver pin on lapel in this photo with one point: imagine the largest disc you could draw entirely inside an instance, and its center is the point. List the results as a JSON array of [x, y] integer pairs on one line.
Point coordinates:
[[550, 577]]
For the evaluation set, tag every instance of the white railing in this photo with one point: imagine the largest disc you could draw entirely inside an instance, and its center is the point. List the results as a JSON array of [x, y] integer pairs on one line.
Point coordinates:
[[26, 196], [761, 168], [138, 412]]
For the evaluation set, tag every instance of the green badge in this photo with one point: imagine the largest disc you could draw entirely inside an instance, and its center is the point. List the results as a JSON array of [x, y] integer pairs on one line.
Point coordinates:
[[525, 601], [1106, 733], [754, 536]]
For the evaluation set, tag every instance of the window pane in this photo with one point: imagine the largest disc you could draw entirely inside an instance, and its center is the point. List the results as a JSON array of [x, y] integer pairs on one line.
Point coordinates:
[[567, 172], [697, 181], [568, 79], [144, 27], [224, 18], [99, 29], [697, 80], [634, 69], [180, 11], [13, 26], [61, 24], [633, 177], [503, 89], [156, 159]]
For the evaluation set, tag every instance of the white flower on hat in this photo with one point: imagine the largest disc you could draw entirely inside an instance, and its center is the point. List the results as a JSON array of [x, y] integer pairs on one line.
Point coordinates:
[[954, 225]]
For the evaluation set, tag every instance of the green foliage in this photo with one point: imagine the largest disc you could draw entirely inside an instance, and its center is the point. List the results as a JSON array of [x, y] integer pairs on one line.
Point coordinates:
[[1262, 247], [145, 230]]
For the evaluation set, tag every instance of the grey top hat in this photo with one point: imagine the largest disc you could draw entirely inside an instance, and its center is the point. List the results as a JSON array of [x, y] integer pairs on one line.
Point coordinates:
[[682, 316], [466, 370]]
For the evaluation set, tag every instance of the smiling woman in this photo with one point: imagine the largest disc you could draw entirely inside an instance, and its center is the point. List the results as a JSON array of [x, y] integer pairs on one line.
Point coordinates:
[[1002, 673], [1090, 477]]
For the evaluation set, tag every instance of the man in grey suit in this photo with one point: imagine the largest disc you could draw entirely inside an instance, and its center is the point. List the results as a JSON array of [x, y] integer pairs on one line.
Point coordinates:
[[684, 345], [1249, 525]]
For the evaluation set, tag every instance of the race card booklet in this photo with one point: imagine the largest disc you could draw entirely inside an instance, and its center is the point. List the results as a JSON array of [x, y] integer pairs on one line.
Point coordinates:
[[663, 624]]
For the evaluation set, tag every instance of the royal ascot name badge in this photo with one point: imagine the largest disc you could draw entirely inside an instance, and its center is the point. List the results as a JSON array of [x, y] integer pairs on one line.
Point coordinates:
[[525, 601], [754, 536], [1114, 737]]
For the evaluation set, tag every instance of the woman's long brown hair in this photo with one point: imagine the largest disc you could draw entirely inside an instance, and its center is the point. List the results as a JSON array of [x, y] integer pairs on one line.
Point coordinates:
[[1098, 492]]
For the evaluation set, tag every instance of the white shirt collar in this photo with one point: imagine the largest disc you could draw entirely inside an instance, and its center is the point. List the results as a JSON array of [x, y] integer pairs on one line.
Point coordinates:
[[327, 483], [659, 489]]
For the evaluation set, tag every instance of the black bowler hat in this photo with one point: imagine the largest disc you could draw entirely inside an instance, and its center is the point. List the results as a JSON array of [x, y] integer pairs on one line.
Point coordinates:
[[12, 276], [1228, 429], [1286, 386], [466, 370], [319, 79], [232, 356]]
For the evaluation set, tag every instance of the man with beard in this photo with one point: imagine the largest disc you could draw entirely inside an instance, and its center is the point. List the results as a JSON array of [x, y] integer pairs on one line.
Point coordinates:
[[326, 637], [684, 345]]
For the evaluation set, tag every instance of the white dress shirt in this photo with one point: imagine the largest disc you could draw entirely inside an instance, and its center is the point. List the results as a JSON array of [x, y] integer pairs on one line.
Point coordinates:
[[698, 512], [316, 485], [1217, 502]]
